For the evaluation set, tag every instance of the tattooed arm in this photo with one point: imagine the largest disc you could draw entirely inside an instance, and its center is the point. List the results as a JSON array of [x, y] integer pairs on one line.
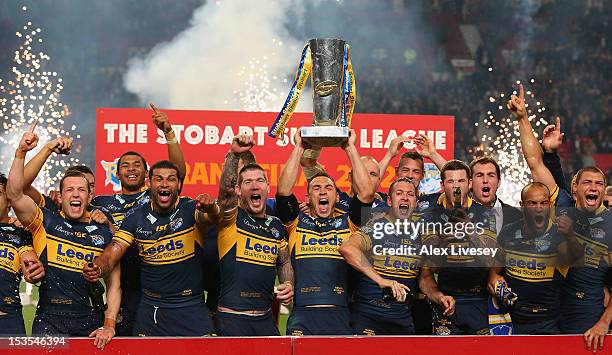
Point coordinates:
[[240, 150], [285, 276]]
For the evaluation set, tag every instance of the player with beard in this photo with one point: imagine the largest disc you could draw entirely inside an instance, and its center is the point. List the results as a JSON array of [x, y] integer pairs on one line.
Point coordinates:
[[321, 274], [17, 258], [464, 277], [252, 249], [169, 234], [132, 171], [372, 314], [535, 254], [584, 287], [582, 299], [64, 243], [486, 178]]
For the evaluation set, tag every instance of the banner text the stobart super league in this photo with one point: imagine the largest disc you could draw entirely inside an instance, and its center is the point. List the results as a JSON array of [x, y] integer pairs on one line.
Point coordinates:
[[206, 136]]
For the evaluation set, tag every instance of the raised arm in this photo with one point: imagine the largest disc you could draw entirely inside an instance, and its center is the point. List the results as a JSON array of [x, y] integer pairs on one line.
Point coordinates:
[[361, 178], [529, 143], [309, 163], [207, 212], [391, 153], [289, 176], [551, 141], [23, 206], [427, 149], [175, 154], [61, 145], [240, 149]]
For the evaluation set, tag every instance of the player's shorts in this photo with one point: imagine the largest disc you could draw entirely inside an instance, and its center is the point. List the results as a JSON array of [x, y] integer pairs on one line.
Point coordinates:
[[12, 324], [535, 327], [577, 320], [470, 318], [319, 321], [66, 324], [192, 320], [230, 324], [367, 324]]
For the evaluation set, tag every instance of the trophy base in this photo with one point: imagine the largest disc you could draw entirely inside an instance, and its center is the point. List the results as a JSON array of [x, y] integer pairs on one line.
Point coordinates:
[[325, 136]]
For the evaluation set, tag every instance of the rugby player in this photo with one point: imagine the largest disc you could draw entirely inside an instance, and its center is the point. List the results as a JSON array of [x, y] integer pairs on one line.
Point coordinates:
[[64, 243], [168, 232], [131, 172], [321, 274], [486, 178], [252, 249], [372, 314], [464, 277], [535, 254], [17, 258], [583, 307]]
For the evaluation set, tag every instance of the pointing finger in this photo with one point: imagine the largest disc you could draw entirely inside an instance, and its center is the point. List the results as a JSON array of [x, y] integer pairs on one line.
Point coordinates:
[[558, 124], [33, 126], [153, 107], [521, 92]]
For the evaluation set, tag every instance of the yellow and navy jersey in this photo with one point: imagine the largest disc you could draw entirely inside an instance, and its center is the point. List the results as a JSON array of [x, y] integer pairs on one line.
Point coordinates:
[[321, 274], [170, 250], [561, 198], [45, 201], [119, 204], [533, 269], [64, 246], [248, 251], [583, 286], [458, 275], [403, 268], [13, 242]]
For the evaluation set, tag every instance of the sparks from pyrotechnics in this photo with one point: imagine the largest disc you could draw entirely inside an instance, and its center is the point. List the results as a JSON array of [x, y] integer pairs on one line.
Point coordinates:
[[505, 145], [33, 93], [260, 91]]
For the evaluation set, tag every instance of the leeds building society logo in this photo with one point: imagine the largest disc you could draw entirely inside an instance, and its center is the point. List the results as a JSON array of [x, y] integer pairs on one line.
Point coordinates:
[[110, 171]]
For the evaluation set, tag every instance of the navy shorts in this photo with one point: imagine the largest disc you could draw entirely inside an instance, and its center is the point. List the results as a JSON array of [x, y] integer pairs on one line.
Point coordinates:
[[535, 327], [12, 324], [319, 321], [193, 320], [229, 324], [471, 317], [367, 324], [66, 324], [577, 320]]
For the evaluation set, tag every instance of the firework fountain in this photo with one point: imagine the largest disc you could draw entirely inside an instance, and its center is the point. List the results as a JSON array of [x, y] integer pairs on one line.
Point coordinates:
[[502, 141], [32, 93]]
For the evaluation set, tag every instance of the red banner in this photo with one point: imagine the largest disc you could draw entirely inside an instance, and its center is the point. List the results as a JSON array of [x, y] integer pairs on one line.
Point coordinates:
[[205, 138], [426, 345]]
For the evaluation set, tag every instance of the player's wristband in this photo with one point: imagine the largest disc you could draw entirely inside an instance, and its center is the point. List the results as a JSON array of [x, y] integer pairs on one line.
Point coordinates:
[[311, 153], [109, 322]]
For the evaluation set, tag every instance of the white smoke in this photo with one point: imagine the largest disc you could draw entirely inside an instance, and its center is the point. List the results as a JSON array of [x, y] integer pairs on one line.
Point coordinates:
[[235, 55]]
